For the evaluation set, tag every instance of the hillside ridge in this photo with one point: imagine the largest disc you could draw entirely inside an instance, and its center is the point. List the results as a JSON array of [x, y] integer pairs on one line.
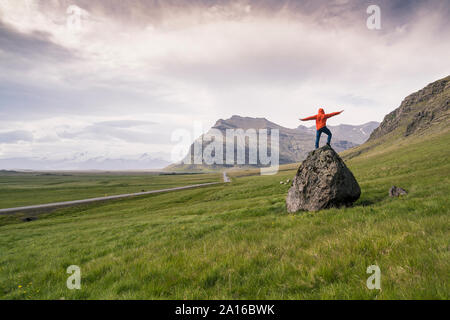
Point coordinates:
[[418, 111]]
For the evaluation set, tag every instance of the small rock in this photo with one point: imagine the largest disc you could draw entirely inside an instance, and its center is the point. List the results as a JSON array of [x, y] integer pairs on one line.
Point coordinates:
[[397, 191]]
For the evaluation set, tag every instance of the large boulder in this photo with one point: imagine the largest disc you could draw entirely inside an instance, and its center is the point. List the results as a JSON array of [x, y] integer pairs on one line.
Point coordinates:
[[322, 181]]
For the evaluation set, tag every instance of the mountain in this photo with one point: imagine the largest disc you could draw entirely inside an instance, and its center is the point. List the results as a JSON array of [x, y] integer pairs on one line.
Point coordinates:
[[424, 112], [294, 143], [356, 134], [345, 132], [82, 161], [418, 111]]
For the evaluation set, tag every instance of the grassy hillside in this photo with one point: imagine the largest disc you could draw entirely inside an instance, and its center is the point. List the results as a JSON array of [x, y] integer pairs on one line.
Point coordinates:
[[21, 189], [422, 113], [236, 241]]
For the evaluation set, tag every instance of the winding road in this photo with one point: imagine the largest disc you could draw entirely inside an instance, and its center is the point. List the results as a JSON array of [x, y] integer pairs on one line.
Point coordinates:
[[56, 205]]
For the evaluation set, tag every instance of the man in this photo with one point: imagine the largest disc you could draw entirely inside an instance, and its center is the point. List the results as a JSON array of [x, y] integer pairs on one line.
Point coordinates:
[[321, 124]]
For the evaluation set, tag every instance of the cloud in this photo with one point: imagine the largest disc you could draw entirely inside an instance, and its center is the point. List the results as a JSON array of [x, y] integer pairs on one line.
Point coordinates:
[[102, 132], [23, 50], [15, 136], [139, 70], [125, 123]]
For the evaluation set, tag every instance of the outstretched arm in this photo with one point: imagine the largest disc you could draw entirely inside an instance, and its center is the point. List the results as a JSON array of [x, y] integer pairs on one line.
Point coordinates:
[[309, 118], [329, 115]]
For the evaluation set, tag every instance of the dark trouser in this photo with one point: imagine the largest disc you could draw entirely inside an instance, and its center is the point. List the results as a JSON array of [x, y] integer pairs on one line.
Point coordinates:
[[319, 133]]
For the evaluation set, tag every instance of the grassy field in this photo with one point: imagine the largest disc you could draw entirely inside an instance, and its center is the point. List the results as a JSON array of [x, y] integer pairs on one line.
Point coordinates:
[[21, 189], [236, 241]]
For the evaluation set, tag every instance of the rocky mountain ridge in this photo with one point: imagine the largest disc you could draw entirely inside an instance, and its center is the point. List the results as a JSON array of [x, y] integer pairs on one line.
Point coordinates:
[[418, 111], [294, 144]]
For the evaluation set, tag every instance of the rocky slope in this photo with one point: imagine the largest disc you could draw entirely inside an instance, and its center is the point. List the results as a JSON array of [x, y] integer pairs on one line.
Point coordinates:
[[418, 111], [421, 113]]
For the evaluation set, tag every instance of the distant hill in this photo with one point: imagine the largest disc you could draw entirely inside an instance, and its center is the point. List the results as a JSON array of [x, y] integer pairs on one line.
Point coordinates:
[[424, 112], [345, 132], [83, 161], [294, 143]]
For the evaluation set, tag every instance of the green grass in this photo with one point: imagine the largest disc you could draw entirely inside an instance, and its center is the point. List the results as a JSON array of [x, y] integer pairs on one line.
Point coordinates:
[[236, 241], [21, 189]]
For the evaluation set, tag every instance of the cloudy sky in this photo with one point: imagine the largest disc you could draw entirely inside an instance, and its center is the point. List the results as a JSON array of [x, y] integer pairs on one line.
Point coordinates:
[[132, 72]]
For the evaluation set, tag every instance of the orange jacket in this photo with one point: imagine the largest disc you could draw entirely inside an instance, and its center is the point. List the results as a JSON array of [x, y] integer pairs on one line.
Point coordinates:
[[321, 118]]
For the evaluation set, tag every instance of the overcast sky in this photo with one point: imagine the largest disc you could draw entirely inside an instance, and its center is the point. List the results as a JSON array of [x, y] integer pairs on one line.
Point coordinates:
[[138, 70]]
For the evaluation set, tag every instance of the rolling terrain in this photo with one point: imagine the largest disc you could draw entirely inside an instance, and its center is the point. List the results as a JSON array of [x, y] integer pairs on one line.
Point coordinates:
[[33, 188], [236, 241]]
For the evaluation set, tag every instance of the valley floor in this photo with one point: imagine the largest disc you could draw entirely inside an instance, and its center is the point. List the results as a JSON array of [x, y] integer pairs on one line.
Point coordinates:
[[34, 188], [236, 241]]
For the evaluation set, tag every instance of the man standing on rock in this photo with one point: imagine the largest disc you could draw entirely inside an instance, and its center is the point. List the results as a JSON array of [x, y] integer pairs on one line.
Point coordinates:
[[321, 124]]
